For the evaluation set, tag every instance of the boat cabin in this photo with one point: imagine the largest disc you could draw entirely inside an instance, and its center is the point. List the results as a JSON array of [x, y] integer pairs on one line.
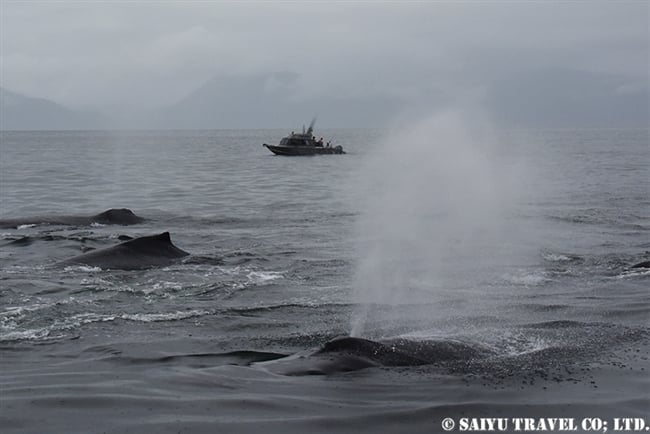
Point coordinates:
[[297, 140]]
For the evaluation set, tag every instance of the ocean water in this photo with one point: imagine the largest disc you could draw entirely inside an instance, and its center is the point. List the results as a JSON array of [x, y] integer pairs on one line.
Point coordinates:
[[520, 250]]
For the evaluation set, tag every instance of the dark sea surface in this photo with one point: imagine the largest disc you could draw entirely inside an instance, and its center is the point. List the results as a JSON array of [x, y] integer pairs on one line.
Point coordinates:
[[531, 312]]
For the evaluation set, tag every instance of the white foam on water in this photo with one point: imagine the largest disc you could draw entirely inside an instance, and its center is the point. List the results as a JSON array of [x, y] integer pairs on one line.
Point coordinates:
[[519, 344], [525, 278], [556, 257], [633, 272], [245, 276], [171, 316], [19, 311], [85, 318], [96, 281], [261, 277], [166, 285], [25, 335], [11, 316], [21, 269], [81, 268], [72, 322]]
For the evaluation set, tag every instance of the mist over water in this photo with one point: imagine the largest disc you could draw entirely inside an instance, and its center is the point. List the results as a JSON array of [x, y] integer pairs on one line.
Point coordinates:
[[437, 217]]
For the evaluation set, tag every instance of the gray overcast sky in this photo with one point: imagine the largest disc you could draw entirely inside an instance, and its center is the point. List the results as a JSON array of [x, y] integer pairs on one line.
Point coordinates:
[[150, 54]]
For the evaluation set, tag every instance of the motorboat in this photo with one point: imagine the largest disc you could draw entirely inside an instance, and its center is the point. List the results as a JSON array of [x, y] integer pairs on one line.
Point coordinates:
[[304, 143]]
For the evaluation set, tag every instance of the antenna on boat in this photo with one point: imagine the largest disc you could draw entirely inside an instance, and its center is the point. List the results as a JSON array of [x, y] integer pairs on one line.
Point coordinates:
[[311, 126]]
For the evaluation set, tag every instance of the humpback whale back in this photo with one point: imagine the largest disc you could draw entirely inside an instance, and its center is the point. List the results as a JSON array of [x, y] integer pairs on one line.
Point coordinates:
[[143, 252], [386, 355], [347, 354], [118, 216], [113, 216], [157, 245]]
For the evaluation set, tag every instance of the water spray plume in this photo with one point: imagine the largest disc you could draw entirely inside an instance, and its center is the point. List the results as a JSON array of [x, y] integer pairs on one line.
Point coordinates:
[[435, 204]]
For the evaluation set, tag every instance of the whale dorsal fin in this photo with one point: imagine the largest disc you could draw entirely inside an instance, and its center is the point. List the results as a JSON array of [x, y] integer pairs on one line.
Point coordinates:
[[163, 238], [160, 244]]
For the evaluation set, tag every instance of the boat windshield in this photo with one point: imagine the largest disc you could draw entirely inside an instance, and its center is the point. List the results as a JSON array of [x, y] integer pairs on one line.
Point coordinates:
[[292, 141]]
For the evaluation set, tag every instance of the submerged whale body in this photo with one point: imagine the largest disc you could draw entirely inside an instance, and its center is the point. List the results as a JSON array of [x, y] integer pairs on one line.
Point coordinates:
[[644, 264], [117, 216], [138, 253], [346, 354], [113, 216]]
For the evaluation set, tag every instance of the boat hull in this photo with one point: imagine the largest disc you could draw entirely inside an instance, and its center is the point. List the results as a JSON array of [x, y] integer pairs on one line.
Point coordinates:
[[295, 151]]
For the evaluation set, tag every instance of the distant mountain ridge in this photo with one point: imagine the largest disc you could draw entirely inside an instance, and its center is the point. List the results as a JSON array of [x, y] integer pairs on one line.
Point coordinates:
[[538, 99], [270, 101], [20, 112]]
